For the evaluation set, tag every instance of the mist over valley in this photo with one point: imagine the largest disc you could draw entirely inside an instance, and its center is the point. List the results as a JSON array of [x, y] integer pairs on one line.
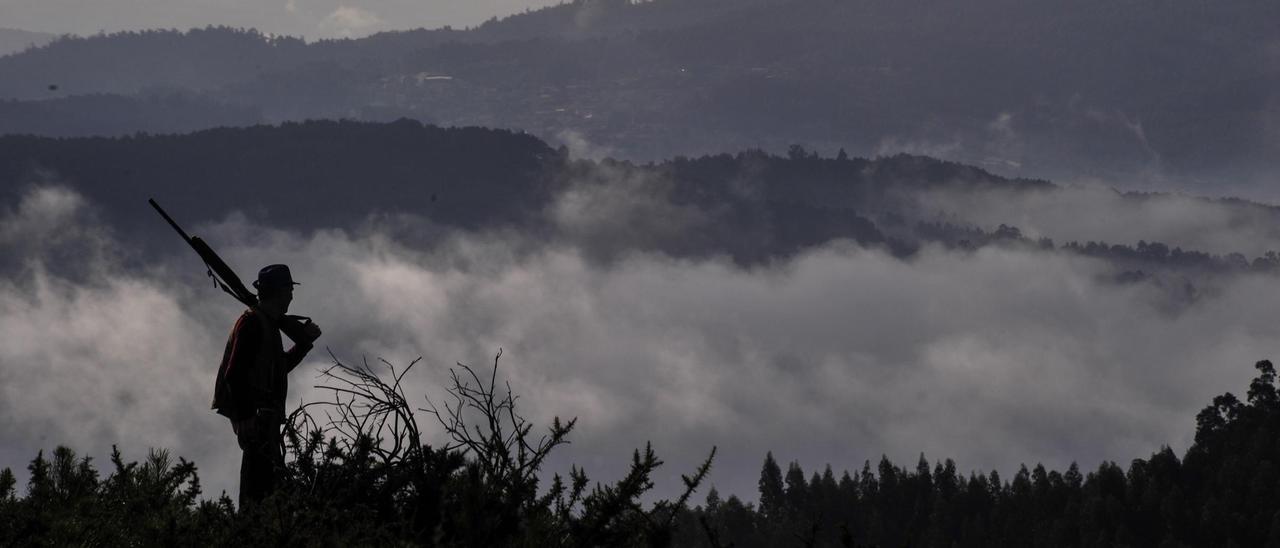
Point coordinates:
[[730, 287]]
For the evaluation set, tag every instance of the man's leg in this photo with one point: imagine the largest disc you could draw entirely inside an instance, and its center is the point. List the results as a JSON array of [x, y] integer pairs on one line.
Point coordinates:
[[260, 461], [273, 457], [250, 482]]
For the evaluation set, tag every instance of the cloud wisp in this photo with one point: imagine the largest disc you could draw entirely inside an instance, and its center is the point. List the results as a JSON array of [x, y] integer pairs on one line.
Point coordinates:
[[1099, 213], [350, 22]]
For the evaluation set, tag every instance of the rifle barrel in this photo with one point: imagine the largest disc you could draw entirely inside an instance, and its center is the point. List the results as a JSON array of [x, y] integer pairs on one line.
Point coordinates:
[[166, 216]]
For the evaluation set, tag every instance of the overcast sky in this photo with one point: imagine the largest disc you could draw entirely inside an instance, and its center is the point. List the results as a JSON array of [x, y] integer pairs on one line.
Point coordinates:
[[310, 18]]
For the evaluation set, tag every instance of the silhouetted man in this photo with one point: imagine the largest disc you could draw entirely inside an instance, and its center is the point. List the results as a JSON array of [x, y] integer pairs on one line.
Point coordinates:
[[253, 382]]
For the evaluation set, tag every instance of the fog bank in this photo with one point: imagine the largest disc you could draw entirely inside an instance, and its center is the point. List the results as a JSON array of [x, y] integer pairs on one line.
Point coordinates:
[[994, 357]]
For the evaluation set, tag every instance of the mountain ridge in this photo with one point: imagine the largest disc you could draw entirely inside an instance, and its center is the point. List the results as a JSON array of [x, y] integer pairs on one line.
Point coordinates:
[[1145, 91]]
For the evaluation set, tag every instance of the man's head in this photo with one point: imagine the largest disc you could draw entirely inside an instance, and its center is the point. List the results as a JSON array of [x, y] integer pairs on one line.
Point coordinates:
[[275, 287]]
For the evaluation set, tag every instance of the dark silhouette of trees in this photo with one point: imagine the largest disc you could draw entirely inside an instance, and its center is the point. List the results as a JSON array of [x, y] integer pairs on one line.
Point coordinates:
[[1223, 492], [772, 500]]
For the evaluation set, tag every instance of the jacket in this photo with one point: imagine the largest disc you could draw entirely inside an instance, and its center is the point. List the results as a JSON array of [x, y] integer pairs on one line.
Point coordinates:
[[253, 374]]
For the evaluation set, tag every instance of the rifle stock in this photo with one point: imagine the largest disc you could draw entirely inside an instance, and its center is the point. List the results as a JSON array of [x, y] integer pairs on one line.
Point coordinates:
[[294, 327], [218, 267]]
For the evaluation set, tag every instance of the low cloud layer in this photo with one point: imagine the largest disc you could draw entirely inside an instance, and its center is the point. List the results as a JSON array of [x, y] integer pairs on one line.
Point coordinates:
[[1099, 213], [994, 358]]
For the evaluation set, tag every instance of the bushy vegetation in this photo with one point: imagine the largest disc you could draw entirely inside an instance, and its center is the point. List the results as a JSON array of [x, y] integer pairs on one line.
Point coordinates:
[[358, 473], [362, 476]]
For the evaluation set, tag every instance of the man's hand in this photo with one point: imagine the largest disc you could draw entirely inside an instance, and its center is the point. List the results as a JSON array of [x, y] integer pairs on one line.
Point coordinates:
[[311, 330]]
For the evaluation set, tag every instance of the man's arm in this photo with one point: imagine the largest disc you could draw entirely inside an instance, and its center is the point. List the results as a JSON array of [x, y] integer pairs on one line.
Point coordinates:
[[294, 355]]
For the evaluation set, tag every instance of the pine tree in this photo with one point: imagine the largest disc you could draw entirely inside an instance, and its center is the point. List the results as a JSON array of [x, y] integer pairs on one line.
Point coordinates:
[[772, 500], [797, 491], [713, 500]]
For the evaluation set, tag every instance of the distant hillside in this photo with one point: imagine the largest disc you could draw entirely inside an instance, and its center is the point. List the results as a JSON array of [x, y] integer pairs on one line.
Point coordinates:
[[295, 175], [574, 20], [214, 57], [131, 62], [15, 40], [752, 206], [1181, 89]]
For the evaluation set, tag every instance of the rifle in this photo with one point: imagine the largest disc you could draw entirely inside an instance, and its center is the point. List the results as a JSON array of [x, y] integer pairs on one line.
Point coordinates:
[[227, 280]]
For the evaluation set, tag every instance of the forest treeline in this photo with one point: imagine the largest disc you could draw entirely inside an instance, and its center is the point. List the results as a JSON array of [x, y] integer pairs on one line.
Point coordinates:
[[344, 488], [1225, 491]]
